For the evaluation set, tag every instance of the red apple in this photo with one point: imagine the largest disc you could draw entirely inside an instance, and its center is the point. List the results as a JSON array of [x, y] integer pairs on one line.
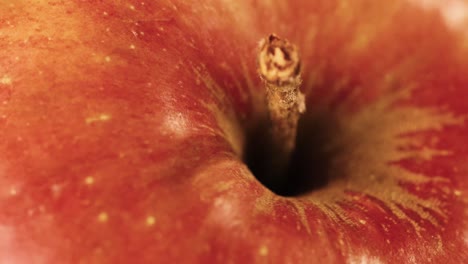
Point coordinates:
[[126, 127]]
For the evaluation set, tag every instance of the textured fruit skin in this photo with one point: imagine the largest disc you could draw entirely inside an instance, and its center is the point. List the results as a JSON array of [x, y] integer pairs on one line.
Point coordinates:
[[122, 127]]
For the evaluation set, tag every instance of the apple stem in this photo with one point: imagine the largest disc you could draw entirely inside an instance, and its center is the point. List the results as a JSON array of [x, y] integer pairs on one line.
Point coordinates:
[[279, 66]]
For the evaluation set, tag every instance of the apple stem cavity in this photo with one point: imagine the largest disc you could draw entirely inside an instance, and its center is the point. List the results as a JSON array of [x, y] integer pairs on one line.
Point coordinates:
[[279, 66]]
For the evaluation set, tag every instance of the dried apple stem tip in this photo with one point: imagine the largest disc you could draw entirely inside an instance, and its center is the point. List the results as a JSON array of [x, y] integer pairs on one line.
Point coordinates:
[[279, 66]]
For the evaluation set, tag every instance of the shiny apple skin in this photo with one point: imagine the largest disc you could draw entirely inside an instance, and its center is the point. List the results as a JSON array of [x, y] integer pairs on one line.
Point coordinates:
[[123, 126]]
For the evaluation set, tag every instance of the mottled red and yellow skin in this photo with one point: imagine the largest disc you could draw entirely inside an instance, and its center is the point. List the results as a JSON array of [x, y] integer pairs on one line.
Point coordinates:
[[122, 127]]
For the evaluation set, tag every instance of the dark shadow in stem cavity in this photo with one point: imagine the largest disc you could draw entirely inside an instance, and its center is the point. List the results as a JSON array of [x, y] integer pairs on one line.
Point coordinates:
[[310, 165]]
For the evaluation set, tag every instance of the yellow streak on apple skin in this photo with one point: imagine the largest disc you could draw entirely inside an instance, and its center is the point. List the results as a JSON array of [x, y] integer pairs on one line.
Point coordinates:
[[366, 162], [98, 118], [215, 170], [369, 140], [222, 111], [301, 214]]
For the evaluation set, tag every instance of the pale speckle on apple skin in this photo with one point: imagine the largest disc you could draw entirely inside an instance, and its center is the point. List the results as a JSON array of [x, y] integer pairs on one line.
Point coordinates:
[[107, 59], [103, 217], [13, 191], [6, 80], [105, 13], [132, 7], [98, 118], [457, 192], [56, 190], [150, 220], [89, 180], [132, 47], [263, 251]]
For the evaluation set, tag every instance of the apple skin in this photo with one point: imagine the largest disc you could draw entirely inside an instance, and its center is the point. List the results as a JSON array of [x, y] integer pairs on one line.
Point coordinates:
[[123, 127]]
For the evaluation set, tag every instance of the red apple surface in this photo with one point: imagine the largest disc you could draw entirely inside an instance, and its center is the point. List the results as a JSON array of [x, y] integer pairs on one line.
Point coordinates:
[[124, 131]]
